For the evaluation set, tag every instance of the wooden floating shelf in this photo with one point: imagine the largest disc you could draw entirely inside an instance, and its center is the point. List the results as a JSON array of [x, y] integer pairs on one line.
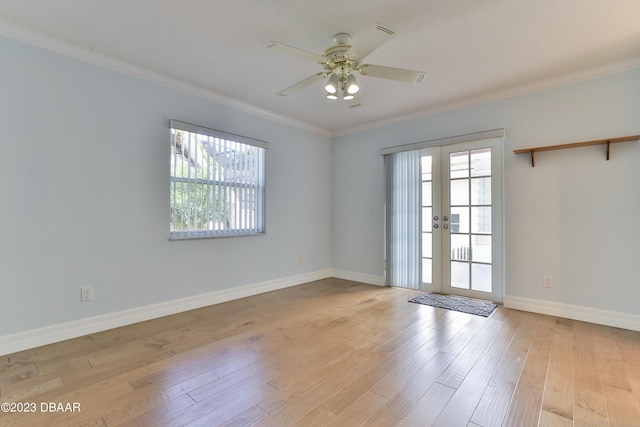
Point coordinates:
[[606, 142]]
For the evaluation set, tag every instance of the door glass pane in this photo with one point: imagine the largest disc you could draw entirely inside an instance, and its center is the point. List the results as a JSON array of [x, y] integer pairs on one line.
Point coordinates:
[[481, 219], [426, 167], [468, 204], [426, 193], [459, 192], [427, 239], [481, 162], [481, 248], [426, 170], [481, 277], [459, 164], [460, 274], [459, 220], [426, 219], [460, 247], [427, 276], [481, 191]]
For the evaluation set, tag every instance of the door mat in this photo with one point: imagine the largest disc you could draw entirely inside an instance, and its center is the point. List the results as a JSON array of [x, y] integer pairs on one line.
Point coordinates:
[[456, 303]]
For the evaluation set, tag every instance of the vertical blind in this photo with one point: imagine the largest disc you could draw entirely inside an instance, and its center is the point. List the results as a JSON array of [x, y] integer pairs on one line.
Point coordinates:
[[217, 183], [403, 219]]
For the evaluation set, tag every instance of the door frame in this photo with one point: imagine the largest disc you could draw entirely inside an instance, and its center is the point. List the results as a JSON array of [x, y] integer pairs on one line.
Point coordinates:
[[497, 227], [497, 219]]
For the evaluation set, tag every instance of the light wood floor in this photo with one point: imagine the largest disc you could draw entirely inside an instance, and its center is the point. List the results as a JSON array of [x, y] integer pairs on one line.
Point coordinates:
[[336, 353]]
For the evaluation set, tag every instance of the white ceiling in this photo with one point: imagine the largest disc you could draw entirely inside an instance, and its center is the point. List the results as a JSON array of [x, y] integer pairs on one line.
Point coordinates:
[[471, 50]]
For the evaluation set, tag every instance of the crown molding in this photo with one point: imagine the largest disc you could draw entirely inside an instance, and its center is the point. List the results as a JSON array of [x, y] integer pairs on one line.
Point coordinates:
[[22, 34], [494, 96], [43, 41]]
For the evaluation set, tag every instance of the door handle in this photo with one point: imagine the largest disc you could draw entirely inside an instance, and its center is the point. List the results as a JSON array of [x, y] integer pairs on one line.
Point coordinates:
[[445, 226], [435, 225]]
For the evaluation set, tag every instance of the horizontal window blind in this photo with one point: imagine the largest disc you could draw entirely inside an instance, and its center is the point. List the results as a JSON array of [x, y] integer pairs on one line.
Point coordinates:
[[217, 183]]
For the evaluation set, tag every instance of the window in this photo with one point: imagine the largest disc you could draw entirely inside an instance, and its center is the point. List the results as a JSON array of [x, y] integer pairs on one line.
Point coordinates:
[[217, 183]]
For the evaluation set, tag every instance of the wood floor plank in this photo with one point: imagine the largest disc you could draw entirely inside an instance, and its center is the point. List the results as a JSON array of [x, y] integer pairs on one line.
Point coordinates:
[[216, 410], [403, 402], [466, 334], [551, 419], [460, 408], [15, 373], [136, 406], [558, 396], [428, 408], [622, 408], [495, 400], [399, 376], [27, 389], [348, 394], [464, 361], [247, 418], [501, 341], [231, 409], [526, 403], [93, 399], [339, 353], [309, 401], [318, 417], [611, 368], [542, 328], [589, 408], [587, 372], [359, 411]]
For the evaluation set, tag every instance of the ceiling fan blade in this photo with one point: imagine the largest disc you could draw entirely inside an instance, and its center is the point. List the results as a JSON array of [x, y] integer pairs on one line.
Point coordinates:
[[355, 102], [391, 73], [294, 51], [303, 83], [375, 37]]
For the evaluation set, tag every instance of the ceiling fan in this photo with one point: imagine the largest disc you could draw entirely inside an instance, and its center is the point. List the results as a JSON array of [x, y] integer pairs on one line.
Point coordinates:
[[342, 59]]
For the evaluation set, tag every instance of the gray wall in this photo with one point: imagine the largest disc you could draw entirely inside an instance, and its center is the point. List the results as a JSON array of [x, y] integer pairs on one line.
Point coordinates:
[[84, 190], [84, 181], [574, 216]]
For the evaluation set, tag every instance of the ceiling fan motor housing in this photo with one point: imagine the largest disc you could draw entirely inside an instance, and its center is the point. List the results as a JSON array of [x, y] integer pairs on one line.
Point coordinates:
[[336, 59]]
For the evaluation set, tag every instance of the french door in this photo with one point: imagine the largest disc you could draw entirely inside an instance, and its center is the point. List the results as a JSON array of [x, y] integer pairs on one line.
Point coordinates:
[[461, 219]]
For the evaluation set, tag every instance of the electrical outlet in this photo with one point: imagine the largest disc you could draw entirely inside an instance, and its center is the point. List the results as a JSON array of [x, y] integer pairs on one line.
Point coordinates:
[[86, 293], [547, 281]]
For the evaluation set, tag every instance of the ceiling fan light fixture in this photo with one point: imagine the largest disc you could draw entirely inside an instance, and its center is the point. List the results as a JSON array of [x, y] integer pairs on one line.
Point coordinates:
[[340, 62], [352, 85], [332, 85]]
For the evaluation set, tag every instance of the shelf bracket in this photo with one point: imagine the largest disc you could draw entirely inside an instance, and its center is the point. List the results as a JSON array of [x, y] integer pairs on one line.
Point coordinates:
[[533, 163], [608, 144]]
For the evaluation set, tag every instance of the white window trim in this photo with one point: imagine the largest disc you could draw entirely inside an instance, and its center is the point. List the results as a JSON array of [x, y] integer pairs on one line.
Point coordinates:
[[260, 226]]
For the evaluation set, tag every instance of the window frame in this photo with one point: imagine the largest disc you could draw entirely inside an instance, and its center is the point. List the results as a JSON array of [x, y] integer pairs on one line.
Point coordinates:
[[259, 186]]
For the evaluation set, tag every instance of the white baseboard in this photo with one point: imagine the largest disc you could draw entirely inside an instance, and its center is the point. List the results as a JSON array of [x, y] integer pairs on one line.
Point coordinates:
[[575, 312], [77, 328], [369, 279], [63, 331]]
